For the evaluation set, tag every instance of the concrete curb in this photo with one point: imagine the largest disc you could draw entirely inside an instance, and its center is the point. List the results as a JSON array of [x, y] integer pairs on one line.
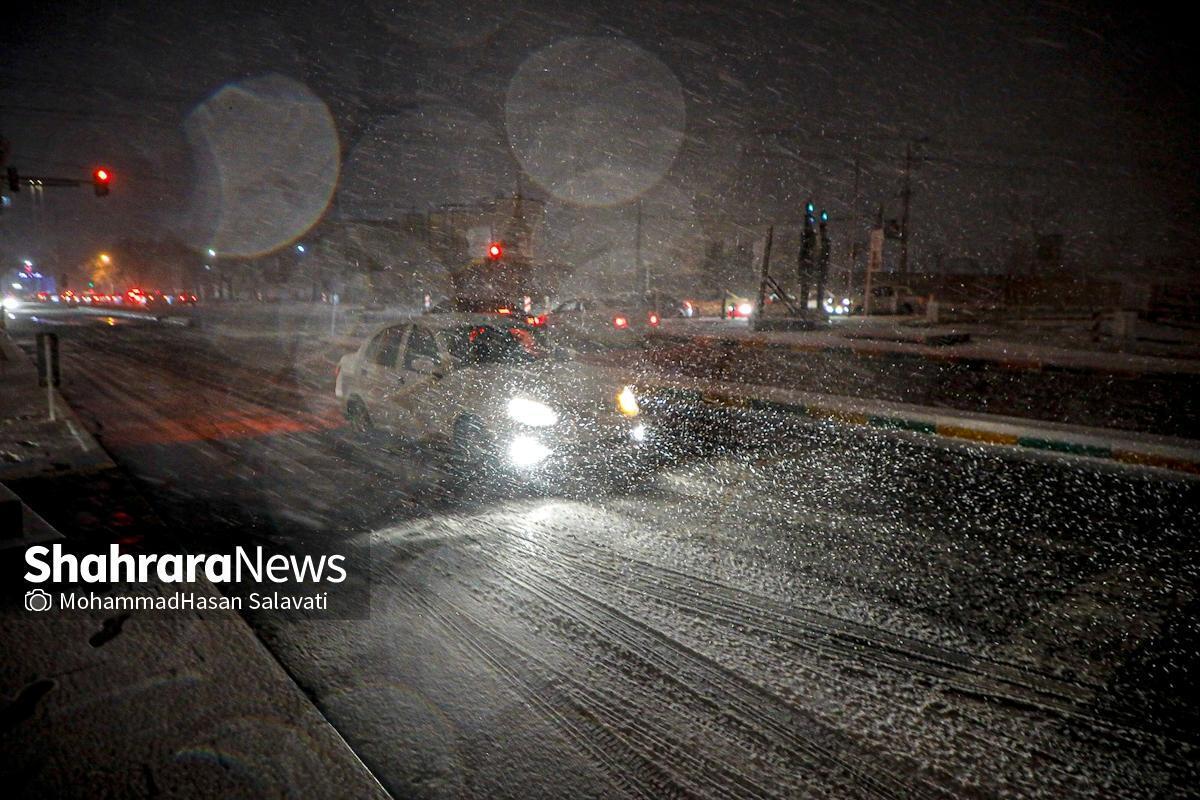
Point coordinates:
[[1179, 455]]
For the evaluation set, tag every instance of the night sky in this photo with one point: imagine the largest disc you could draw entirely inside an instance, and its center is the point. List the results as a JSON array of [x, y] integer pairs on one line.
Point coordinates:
[[1063, 117]]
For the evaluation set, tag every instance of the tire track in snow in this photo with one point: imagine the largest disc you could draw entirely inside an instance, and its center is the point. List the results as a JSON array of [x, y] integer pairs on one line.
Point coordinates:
[[631, 757], [750, 710]]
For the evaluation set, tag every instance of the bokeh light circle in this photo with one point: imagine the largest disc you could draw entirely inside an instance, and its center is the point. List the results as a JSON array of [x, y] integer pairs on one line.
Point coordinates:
[[595, 121], [267, 158]]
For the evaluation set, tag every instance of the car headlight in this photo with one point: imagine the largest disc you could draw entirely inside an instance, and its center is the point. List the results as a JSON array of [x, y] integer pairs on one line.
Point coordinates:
[[526, 451], [531, 412], [627, 402], [10, 303]]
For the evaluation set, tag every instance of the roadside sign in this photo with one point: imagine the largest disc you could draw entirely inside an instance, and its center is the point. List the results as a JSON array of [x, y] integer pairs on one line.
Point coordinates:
[[874, 263], [47, 360], [875, 258], [47, 367]]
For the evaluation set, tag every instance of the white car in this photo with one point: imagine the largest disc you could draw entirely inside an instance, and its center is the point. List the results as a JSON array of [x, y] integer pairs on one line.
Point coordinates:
[[494, 392]]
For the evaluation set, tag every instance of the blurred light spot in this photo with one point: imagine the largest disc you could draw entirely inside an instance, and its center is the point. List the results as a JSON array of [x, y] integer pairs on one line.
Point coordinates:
[[596, 121], [267, 156]]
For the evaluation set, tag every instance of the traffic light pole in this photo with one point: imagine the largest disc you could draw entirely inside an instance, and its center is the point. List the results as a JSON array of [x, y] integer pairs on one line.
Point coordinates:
[[906, 194], [823, 264], [100, 180]]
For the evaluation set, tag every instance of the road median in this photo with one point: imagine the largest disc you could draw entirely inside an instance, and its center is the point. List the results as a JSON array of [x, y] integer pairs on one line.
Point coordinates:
[[936, 344], [1180, 455]]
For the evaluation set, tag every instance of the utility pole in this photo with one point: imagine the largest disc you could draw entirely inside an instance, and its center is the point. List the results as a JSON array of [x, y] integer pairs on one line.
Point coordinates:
[[643, 277], [906, 195], [762, 285], [853, 237]]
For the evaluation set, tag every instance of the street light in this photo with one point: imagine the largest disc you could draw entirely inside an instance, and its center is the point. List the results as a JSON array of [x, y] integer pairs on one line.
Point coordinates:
[[212, 253], [105, 258], [299, 248]]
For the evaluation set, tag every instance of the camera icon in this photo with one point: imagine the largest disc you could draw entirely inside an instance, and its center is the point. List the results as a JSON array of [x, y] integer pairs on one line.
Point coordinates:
[[38, 600]]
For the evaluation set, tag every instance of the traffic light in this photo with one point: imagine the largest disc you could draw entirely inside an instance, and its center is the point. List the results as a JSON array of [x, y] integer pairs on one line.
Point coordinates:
[[494, 251], [14, 180], [101, 177]]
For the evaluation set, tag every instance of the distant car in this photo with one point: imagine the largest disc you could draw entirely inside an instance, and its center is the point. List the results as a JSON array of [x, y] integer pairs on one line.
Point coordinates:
[[738, 308], [618, 321], [491, 390]]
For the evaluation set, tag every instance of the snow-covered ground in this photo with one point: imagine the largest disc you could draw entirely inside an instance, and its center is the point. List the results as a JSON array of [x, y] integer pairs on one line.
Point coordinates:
[[830, 612]]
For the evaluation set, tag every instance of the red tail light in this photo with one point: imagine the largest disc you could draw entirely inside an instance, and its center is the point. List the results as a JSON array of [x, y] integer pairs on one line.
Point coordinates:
[[654, 319], [620, 322], [537, 321]]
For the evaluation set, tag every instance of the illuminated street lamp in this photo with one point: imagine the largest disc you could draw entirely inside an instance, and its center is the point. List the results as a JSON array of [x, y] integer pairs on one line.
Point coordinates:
[[105, 258]]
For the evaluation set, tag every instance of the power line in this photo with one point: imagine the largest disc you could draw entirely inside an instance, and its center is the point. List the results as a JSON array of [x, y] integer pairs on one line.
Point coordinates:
[[73, 112]]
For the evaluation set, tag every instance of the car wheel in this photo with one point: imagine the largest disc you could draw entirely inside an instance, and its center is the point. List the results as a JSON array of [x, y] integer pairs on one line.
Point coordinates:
[[359, 417]]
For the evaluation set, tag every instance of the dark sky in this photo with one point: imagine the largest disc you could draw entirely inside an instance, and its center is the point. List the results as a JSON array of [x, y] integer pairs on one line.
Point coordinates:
[[1079, 118]]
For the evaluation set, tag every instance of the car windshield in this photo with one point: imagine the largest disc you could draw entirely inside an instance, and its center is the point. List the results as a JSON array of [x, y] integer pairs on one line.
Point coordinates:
[[605, 399]]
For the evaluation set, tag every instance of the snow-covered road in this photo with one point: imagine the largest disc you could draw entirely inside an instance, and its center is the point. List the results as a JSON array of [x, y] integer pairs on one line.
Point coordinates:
[[831, 614]]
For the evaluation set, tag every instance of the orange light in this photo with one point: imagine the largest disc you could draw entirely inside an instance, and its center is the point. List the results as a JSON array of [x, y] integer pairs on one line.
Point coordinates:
[[503, 310], [654, 319], [495, 250], [620, 322]]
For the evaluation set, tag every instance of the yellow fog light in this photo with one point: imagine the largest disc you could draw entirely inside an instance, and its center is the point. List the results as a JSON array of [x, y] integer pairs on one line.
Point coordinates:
[[627, 402]]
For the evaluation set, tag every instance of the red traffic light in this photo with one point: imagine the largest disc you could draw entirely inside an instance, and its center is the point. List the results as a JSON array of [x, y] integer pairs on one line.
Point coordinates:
[[101, 177], [495, 251]]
